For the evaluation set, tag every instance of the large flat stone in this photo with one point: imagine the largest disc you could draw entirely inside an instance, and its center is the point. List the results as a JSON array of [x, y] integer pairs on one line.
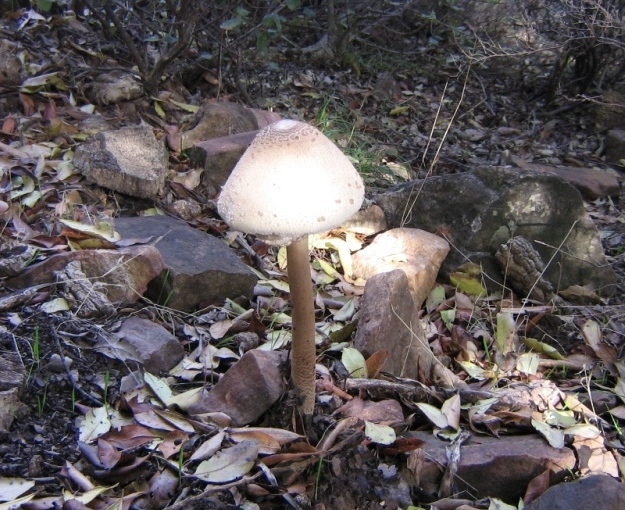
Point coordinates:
[[592, 183], [493, 467], [199, 269]]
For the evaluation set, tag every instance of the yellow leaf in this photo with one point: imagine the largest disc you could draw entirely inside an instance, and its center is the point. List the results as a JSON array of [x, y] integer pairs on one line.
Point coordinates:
[[398, 110], [467, 284], [103, 229], [542, 348], [159, 109], [185, 106]]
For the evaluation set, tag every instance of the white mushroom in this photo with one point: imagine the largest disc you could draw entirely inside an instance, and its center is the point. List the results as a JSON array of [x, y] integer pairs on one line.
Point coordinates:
[[293, 181]]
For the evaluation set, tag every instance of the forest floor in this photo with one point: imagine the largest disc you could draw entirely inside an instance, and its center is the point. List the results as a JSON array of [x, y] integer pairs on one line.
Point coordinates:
[[398, 116]]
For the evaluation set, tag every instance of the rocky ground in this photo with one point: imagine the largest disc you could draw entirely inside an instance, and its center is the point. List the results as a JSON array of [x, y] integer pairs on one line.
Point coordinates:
[[98, 417]]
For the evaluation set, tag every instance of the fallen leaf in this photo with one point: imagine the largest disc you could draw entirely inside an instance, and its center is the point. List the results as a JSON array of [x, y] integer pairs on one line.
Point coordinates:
[[229, 463], [354, 362], [95, 423], [380, 434], [375, 363], [434, 414], [554, 437], [12, 488]]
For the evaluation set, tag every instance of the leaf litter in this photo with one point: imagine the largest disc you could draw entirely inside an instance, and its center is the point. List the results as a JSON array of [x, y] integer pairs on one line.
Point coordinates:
[[112, 451]]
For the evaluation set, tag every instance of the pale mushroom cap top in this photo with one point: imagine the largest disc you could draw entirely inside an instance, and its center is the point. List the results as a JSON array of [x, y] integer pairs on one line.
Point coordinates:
[[291, 181]]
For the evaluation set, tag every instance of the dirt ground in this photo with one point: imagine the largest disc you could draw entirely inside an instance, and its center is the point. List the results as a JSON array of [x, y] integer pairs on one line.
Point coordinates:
[[42, 441]]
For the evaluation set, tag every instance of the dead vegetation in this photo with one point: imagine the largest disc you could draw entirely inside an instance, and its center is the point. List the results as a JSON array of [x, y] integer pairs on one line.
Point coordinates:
[[464, 88]]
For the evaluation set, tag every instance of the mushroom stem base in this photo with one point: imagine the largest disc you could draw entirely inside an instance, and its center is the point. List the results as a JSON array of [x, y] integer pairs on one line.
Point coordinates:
[[303, 355]]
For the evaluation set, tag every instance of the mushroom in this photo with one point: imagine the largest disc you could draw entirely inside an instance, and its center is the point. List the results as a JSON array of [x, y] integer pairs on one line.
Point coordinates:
[[293, 181]]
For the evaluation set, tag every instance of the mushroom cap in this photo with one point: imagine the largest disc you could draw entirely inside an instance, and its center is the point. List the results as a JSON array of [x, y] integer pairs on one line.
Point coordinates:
[[290, 182]]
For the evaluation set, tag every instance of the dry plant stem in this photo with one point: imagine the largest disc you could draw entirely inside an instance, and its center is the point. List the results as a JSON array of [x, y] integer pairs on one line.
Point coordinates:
[[303, 316]]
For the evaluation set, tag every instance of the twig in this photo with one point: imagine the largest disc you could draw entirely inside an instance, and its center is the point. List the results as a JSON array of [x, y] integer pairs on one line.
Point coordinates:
[[410, 204], [198, 500], [70, 377]]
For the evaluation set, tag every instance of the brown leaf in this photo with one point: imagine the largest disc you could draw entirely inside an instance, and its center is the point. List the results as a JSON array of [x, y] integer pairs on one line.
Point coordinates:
[[50, 112], [537, 486], [28, 104], [129, 436], [402, 445], [375, 362], [109, 455], [172, 443], [9, 125]]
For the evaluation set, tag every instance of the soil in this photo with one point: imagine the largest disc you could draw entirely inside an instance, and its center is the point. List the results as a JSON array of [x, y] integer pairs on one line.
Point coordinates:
[[65, 376]]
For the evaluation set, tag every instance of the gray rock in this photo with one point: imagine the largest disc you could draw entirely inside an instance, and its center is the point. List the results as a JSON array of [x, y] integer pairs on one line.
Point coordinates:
[[248, 389], [129, 160], [148, 343], [596, 491], [123, 274], [524, 269], [86, 297], [15, 257], [389, 320], [479, 211], [199, 268], [492, 467], [11, 408], [417, 253], [615, 146], [115, 86], [12, 371], [11, 69]]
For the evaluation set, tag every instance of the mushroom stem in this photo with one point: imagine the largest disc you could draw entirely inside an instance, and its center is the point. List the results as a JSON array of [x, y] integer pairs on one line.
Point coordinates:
[[303, 355]]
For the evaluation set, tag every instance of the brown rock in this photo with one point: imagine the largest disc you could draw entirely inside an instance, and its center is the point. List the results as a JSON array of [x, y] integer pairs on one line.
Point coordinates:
[[248, 389], [221, 134], [148, 343], [592, 183], [218, 157], [215, 120], [389, 320], [417, 253], [492, 467], [125, 273]]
